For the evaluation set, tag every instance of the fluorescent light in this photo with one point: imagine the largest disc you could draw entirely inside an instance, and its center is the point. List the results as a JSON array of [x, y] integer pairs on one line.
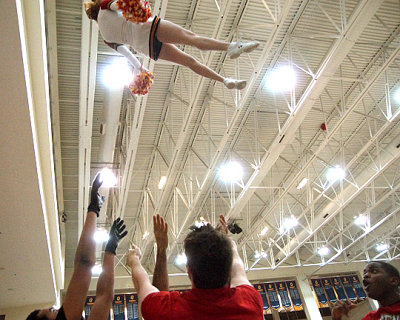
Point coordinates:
[[181, 259], [97, 270], [323, 251], [108, 178], [361, 220], [231, 172], [382, 247], [302, 183], [162, 182], [101, 235], [281, 79], [264, 231], [334, 174], [117, 74]]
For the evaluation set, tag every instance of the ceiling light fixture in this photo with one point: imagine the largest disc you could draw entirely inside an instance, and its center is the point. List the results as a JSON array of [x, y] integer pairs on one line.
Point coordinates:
[[181, 259], [264, 231], [108, 178], [162, 182], [380, 247], [97, 270], [361, 220], [281, 79], [231, 172], [260, 254], [323, 251], [288, 223], [334, 174], [101, 235], [302, 183], [117, 74], [145, 235]]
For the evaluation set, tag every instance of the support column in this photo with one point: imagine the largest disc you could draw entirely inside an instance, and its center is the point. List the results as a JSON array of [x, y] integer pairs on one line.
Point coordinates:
[[310, 305]]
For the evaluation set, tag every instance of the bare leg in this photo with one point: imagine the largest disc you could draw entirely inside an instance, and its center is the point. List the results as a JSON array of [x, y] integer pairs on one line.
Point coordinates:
[[169, 32], [171, 53]]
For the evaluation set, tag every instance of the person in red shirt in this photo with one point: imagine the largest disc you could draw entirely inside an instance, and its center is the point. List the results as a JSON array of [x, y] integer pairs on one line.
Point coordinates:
[[381, 281], [220, 288]]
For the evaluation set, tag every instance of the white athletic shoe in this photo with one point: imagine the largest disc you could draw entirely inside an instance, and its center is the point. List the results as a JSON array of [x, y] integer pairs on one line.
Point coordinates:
[[235, 84], [235, 49]]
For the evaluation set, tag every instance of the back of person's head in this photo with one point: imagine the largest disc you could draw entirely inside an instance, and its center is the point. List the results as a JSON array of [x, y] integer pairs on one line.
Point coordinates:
[[92, 9], [34, 315], [389, 269], [209, 257]]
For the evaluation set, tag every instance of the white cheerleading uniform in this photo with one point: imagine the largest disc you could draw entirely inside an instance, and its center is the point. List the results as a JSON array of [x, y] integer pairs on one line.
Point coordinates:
[[114, 28]]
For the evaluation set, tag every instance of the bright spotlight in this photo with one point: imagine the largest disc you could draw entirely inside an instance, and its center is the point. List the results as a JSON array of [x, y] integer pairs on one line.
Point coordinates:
[[108, 178], [117, 74], [181, 259], [97, 270], [361, 220], [145, 235], [281, 79], [288, 223], [382, 247], [334, 174], [231, 172], [323, 251], [101, 235]]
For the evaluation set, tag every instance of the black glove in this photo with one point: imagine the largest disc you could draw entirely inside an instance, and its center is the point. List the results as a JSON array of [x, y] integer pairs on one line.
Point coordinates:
[[234, 228], [116, 235], [96, 201]]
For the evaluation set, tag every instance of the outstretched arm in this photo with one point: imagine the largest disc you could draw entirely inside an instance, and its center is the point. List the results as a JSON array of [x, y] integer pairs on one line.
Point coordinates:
[[238, 274], [85, 258], [122, 49], [105, 284], [160, 277], [140, 277]]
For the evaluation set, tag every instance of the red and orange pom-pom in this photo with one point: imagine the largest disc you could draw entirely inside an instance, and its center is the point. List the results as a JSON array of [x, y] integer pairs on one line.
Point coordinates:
[[137, 11], [141, 83]]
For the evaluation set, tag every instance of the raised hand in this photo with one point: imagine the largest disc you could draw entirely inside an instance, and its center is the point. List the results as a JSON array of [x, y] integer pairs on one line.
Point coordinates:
[[342, 308], [116, 234], [160, 232], [133, 257], [222, 226], [96, 201]]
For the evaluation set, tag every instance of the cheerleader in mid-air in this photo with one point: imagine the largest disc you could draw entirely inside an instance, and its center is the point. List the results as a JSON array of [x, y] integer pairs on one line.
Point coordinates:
[[155, 38]]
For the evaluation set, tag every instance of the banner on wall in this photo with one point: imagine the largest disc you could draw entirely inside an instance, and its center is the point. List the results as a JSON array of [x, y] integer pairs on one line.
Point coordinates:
[[272, 295], [119, 307], [358, 287], [260, 288], [88, 305], [132, 306], [337, 284], [330, 292], [294, 293], [348, 287], [284, 294], [319, 291]]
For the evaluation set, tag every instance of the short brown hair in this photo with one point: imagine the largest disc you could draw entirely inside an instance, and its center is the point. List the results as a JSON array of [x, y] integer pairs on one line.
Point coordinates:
[[92, 9], [209, 257]]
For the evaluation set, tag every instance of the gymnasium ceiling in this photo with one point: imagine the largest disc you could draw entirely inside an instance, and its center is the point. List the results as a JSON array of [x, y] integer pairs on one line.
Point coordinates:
[[345, 55]]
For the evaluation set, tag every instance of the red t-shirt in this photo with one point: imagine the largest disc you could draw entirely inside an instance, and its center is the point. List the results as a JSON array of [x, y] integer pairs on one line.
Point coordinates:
[[391, 312], [239, 303]]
